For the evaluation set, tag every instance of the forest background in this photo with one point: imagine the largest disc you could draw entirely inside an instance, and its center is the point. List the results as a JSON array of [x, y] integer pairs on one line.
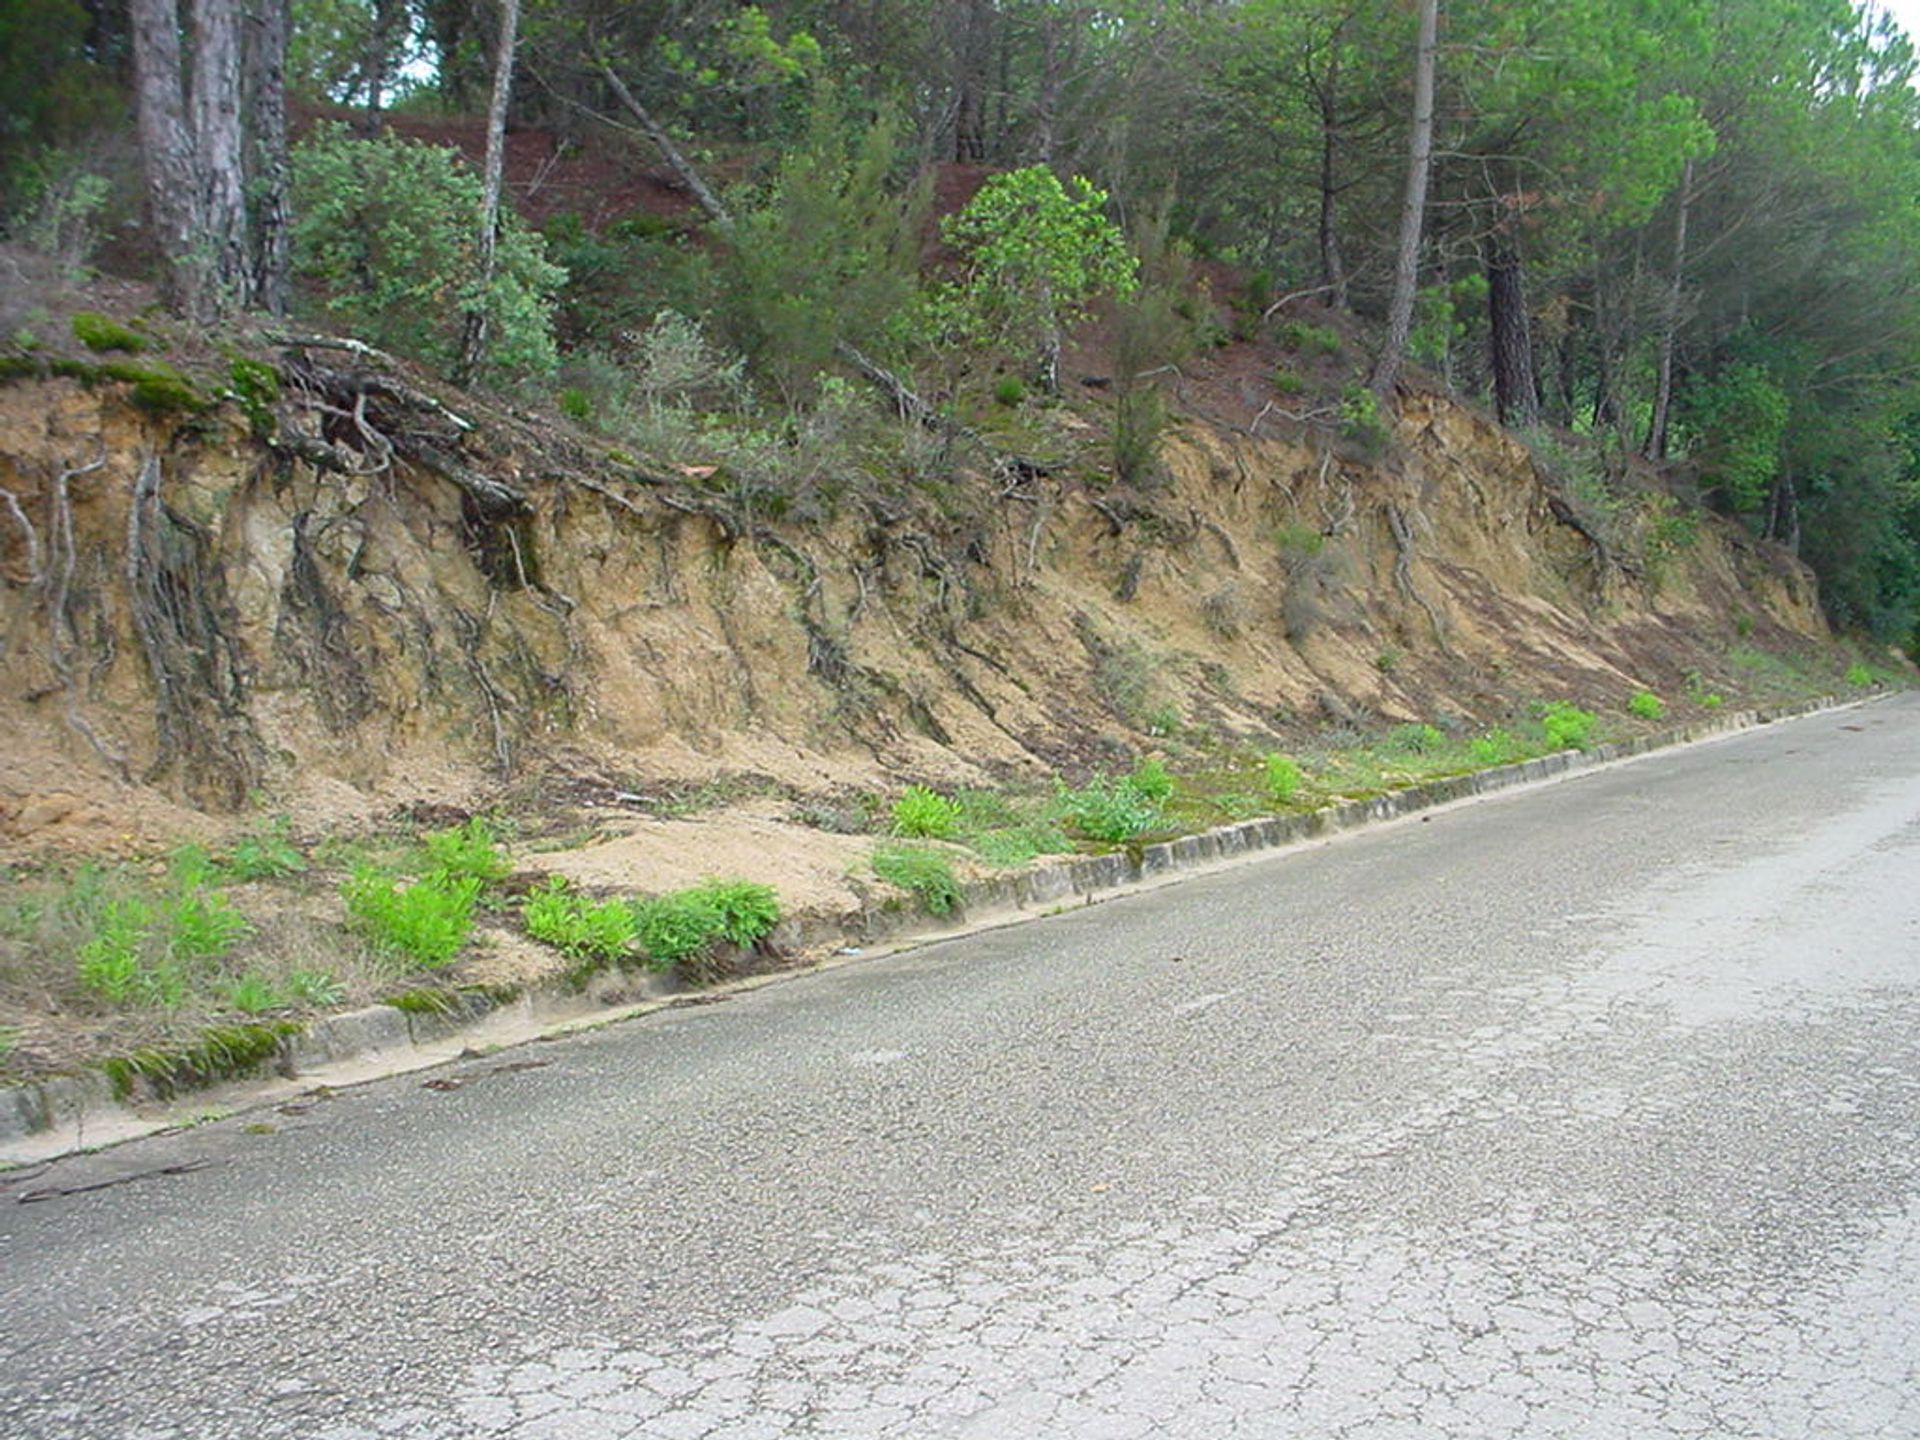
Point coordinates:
[[1685, 232]]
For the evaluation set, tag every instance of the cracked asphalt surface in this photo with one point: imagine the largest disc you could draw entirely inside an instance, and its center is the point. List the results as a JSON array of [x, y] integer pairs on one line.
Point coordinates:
[[1592, 1111]]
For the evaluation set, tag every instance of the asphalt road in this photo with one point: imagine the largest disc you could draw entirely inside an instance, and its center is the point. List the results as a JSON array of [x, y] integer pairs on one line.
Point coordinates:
[[1591, 1111]]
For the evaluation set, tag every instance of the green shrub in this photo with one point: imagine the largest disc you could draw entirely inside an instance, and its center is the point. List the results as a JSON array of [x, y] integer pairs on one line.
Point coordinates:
[[466, 852], [427, 922], [577, 927], [1646, 705], [256, 388], [1287, 383], [1567, 726], [1109, 811], [1150, 779], [1496, 747], [1309, 339], [1361, 420], [1009, 390], [1859, 675], [315, 987], [925, 874], [1283, 777], [748, 911], [254, 995], [386, 232], [264, 857], [926, 814], [1416, 739], [1017, 844], [676, 928]]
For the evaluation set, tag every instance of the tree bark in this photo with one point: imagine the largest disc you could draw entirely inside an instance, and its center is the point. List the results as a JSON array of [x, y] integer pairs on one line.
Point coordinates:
[[1333, 273], [473, 342], [166, 149], [387, 16], [970, 69], [1656, 446], [654, 131], [1413, 208], [1516, 392], [271, 176]]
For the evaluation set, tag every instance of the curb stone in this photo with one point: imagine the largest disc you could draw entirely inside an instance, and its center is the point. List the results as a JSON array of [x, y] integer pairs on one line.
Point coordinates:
[[36, 1108]]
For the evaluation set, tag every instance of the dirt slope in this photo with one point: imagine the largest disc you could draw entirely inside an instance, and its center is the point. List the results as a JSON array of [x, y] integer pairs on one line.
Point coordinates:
[[339, 639]]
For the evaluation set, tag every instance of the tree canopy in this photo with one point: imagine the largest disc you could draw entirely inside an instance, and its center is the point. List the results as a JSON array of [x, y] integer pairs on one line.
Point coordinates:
[[1688, 229]]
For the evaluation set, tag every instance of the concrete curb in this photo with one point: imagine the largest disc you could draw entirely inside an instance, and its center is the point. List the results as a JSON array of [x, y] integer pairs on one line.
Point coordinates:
[[355, 1038]]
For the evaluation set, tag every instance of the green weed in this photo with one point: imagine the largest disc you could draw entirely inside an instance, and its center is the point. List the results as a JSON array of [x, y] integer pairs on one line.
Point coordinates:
[[579, 928], [427, 922], [748, 911], [1109, 811], [1646, 705], [1283, 777], [466, 852], [925, 874], [1567, 726], [925, 814], [676, 928]]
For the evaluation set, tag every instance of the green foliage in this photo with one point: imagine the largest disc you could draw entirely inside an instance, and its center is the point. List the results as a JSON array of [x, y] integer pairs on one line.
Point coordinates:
[[925, 874], [318, 988], [1308, 339], [1859, 675], [254, 995], [1009, 390], [1646, 705], [138, 948], [1737, 422], [1566, 726], [1109, 811], [748, 911], [1150, 779], [579, 928], [1282, 777], [824, 251], [264, 857], [466, 852], [1496, 747], [925, 814], [1416, 739], [677, 928], [97, 332], [426, 923], [1288, 383], [1361, 420], [1035, 253], [386, 231]]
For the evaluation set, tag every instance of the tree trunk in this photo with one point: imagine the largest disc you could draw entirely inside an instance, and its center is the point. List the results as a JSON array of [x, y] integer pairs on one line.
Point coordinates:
[[1333, 273], [267, 103], [971, 60], [220, 155], [473, 343], [1413, 208], [1656, 446], [166, 149], [387, 15], [1516, 393]]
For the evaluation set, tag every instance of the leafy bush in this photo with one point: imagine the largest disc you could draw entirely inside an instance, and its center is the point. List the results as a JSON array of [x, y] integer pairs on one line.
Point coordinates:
[[427, 922], [1150, 779], [1361, 420], [676, 928], [254, 995], [387, 230], [1283, 777], [579, 928], [1109, 811], [925, 874], [143, 949], [1859, 675], [1415, 739], [1309, 339], [925, 814], [1496, 747], [466, 852], [1567, 726], [1646, 705], [748, 911], [264, 857]]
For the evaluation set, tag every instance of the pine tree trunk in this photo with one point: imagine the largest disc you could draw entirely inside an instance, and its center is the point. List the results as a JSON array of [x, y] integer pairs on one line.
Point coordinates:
[[1656, 446], [1333, 273], [1413, 208], [166, 148], [1516, 392], [220, 155], [971, 61], [474, 342], [271, 180]]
